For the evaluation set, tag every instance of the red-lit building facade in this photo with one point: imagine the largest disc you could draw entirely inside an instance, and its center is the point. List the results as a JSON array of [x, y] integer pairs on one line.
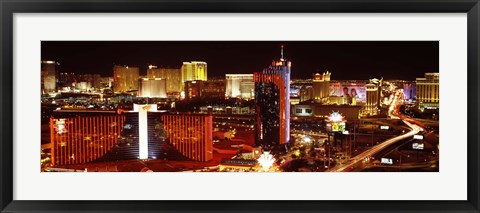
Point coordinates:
[[190, 134], [210, 89], [108, 138], [83, 139]]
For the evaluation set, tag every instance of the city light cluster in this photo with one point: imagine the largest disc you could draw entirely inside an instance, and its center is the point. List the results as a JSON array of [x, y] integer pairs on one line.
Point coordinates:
[[184, 118]]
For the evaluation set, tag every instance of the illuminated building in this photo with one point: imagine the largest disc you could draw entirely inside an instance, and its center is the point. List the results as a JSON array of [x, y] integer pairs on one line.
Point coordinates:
[[247, 89], [237, 165], [428, 90], [83, 139], [321, 86], [222, 109], [408, 88], [306, 93], [410, 91], [66, 79], [143, 137], [193, 90], [93, 79], [49, 76], [302, 110], [106, 82], [350, 112], [169, 136], [239, 86], [300, 90], [173, 77], [351, 92], [272, 103], [371, 105], [337, 100], [125, 78], [379, 83], [294, 100], [190, 134], [194, 71], [83, 86], [87, 82], [152, 87], [142, 133], [335, 122], [211, 89]]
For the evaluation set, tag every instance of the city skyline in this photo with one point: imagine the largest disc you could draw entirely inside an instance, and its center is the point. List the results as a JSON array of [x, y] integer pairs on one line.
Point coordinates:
[[360, 60], [191, 118]]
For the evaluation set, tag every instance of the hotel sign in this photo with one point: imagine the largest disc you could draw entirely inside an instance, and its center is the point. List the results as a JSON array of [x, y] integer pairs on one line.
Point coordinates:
[[336, 122]]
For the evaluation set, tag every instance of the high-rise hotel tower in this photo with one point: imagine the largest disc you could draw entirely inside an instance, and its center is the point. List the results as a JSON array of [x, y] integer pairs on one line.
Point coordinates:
[[125, 78], [194, 71], [272, 104], [428, 89], [49, 76], [321, 86]]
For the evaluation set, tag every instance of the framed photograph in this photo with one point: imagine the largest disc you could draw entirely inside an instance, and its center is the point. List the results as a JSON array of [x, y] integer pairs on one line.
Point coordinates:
[[123, 106]]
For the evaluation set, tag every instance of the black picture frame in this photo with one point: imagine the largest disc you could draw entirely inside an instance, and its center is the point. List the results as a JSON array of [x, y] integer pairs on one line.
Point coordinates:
[[9, 7]]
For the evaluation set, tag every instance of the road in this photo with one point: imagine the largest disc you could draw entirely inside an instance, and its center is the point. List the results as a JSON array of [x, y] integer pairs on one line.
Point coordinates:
[[375, 149], [364, 155]]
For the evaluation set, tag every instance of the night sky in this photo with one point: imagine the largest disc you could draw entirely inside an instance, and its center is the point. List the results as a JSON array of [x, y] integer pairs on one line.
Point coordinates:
[[358, 60]]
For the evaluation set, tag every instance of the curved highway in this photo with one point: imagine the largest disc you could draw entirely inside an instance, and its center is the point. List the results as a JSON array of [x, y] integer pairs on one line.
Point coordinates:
[[360, 157]]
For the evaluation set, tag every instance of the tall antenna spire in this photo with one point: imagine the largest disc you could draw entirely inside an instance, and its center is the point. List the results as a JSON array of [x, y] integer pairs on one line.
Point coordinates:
[[281, 50]]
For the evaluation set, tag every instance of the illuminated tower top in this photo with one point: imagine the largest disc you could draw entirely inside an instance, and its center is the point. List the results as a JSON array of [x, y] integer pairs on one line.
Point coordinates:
[[282, 61], [325, 76], [195, 70], [281, 53]]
